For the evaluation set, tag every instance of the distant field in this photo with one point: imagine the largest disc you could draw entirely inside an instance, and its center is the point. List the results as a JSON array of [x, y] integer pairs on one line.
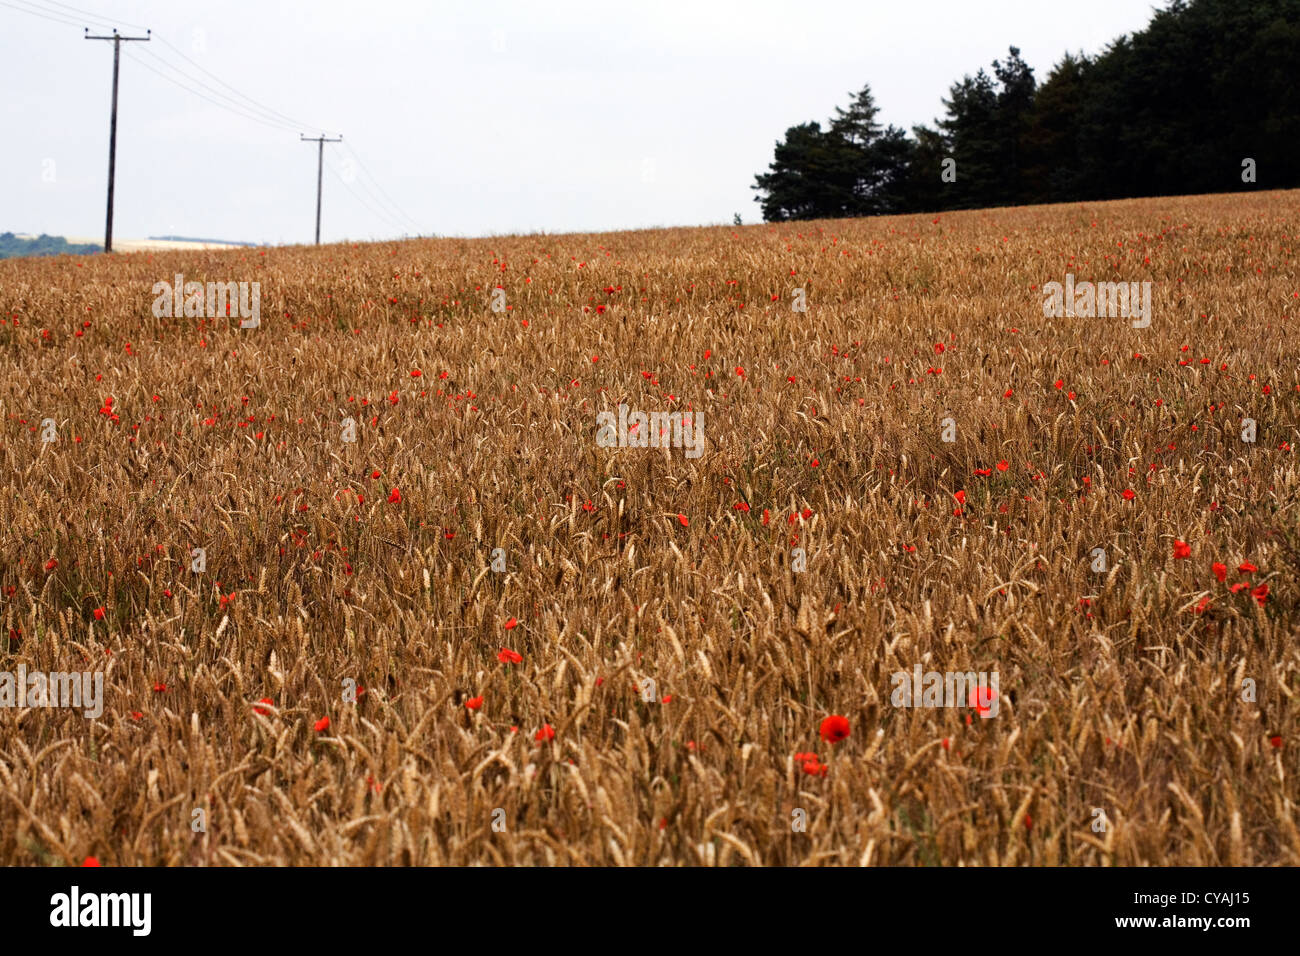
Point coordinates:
[[828, 537], [155, 245]]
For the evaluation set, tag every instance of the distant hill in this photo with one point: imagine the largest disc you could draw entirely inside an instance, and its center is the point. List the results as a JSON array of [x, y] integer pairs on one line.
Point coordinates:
[[12, 246]]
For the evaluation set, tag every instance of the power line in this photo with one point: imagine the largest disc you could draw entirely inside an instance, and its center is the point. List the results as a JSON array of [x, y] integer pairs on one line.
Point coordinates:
[[293, 123], [93, 16], [208, 99], [231, 103], [251, 104], [390, 208], [43, 16], [361, 200], [240, 104], [402, 212]]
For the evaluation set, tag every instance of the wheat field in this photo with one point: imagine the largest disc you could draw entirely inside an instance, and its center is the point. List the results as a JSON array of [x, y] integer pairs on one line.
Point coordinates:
[[917, 469]]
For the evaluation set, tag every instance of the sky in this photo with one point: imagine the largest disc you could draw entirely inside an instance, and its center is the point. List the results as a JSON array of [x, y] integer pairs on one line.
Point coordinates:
[[466, 119]]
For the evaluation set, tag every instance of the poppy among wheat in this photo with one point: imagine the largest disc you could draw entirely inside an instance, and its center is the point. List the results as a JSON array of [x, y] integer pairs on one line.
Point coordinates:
[[834, 728]]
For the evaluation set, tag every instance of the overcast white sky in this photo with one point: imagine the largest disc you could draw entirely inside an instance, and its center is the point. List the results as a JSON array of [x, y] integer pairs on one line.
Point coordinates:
[[474, 118]]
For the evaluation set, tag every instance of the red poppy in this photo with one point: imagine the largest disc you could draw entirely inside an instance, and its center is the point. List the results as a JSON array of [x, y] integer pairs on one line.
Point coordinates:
[[395, 497], [323, 724], [1246, 567], [547, 732], [1260, 594], [51, 564], [1220, 570], [507, 656], [1003, 465], [263, 710], [814, 769], [99, 614], [684, 521], [1129, 494], [834, 728], [1182, 549], [960, 496], [474, 703], [982, 699], [1276, 741], [511, 624]]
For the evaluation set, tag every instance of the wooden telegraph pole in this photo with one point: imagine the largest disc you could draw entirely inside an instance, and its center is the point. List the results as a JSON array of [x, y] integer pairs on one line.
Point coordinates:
[[117, 39]]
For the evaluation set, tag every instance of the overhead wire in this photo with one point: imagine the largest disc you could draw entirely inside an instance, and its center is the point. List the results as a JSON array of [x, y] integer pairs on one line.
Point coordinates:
[[380, 202]]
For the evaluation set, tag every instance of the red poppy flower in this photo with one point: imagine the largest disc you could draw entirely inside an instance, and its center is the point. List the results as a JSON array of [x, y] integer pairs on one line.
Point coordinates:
[[814, 769], [1182, 549], [1246, 567], [1003, 465], [395, 497], [51, 564], [474, 703], [1129, 494], [1220, 570], [834, 728], [416, 373], [322, 724], [982, 699], [263, 710], [547, 732], [511, 624], [1276, 741], [375, 473], [99, 614], [960, 496], [507, 656], [1260, 594], [684, 521]]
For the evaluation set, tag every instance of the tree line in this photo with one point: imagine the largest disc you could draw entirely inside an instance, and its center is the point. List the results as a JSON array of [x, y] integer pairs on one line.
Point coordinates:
[[1177, 108], [43, 245]]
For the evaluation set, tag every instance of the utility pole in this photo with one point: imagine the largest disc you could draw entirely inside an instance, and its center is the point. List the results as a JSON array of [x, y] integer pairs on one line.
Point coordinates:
[[112, 126], [320, 165]]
